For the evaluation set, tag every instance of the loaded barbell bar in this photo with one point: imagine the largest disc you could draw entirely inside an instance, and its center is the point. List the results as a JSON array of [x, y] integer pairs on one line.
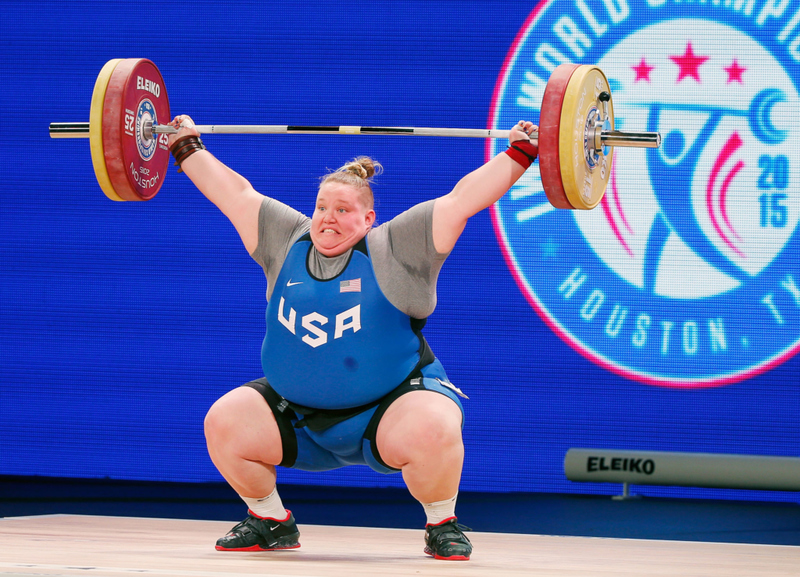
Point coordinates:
[[607, 137], [130, 155]]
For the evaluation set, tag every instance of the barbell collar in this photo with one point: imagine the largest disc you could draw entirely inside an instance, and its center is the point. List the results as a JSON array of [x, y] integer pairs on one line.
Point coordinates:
[[69, 130], [631, 139]]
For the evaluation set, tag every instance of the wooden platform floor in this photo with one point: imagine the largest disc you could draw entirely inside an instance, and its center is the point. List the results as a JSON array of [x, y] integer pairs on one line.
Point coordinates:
[[71, 545]]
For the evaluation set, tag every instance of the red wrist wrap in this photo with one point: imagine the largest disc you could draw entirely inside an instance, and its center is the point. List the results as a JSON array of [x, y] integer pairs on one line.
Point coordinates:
[[523, 152]]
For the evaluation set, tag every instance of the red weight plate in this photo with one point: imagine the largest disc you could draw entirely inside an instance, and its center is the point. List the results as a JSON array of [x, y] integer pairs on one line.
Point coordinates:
[[549, 126], [135, 94]]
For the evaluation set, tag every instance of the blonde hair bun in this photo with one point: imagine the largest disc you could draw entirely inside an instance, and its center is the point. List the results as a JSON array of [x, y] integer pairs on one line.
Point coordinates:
[[363, 167], [357, 173]]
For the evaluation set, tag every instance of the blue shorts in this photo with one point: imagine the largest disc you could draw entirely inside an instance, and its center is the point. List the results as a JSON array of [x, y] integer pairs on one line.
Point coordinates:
[[349, 440]]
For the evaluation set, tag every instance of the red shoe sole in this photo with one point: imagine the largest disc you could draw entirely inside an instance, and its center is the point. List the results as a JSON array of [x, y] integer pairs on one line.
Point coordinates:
[[453, 558], [256, 548], [440, 558]]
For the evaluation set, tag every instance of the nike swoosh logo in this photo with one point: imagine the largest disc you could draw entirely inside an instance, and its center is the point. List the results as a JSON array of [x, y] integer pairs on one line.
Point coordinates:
[[290, 283]]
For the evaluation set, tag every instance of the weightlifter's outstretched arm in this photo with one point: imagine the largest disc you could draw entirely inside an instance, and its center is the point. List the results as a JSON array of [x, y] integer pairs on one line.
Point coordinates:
[[479, 189], [227, 189]]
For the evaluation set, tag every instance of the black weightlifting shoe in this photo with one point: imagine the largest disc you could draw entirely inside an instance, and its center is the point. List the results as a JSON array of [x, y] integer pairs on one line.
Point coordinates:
[[261, 534], [446, 540]]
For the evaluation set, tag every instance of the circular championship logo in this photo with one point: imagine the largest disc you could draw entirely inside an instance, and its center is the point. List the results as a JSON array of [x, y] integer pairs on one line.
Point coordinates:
[[146, 112], [688, 271]]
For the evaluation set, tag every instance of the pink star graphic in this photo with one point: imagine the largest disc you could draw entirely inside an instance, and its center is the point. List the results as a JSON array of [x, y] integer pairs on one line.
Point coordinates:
[[689, 63], [735, 72], [642, 71]]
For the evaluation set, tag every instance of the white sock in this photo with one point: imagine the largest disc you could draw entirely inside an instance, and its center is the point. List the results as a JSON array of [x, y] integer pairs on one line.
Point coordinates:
[[269, 507], [440, 510]]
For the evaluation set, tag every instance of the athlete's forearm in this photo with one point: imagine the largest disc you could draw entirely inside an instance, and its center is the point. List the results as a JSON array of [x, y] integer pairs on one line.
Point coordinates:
[[220, 184], [478, 190], [229, 191], [484, 186]]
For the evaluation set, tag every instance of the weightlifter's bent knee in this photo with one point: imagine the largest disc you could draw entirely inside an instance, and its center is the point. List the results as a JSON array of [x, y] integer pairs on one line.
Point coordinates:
[[242, 423]]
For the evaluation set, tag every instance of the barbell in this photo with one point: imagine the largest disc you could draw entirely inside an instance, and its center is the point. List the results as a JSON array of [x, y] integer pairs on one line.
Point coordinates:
[[128, 132]]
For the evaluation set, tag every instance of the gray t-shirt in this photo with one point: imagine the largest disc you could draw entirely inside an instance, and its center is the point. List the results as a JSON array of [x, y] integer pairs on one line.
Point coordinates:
[[404, 258]]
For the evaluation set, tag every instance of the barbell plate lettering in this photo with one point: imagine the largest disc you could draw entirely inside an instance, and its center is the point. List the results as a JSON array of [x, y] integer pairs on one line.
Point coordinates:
[[96, 129], [137, 165], [584, 184]]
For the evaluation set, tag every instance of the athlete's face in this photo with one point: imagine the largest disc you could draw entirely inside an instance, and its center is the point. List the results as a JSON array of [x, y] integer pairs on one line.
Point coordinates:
[[340, 219]]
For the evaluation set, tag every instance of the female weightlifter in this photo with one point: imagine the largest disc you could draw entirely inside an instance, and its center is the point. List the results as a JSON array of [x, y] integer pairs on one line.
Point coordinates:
[[348, 377]]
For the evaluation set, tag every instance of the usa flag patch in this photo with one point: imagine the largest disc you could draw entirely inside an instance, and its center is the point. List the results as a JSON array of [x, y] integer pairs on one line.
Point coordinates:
[[350, 286]]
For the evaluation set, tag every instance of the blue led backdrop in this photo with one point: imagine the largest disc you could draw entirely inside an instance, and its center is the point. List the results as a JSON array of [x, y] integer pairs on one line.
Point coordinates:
[[668, 318]]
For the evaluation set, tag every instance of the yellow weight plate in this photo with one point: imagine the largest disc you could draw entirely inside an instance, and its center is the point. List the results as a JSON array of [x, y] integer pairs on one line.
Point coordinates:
[[96, 129], [584, 173]]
